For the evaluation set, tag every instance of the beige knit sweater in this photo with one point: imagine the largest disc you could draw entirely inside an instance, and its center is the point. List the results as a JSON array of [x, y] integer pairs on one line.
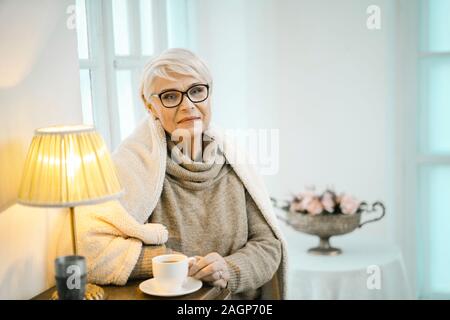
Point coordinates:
[[201, 200], [112, 234]]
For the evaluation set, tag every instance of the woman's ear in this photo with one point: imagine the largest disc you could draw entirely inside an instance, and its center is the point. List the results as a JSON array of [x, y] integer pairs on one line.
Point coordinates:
[[151, 110], [149, 107]]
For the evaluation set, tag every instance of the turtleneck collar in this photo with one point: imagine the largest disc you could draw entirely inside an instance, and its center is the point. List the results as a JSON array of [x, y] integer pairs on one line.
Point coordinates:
[[196, 175]]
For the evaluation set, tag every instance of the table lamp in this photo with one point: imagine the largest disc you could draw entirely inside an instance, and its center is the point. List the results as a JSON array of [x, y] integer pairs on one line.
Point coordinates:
[[67, 166]]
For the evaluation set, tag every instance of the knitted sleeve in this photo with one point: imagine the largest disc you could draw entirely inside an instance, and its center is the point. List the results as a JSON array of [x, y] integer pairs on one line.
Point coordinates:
[[143, 267], [255, 264]]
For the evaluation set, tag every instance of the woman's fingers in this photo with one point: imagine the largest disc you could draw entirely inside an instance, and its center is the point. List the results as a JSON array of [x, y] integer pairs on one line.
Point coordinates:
[[212, 277], [220, 283], [203, 262], [212, 268], [192, 262], [208, 270]]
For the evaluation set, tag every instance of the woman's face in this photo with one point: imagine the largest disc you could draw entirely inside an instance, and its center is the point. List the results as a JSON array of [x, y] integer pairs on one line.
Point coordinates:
[[192, 117]]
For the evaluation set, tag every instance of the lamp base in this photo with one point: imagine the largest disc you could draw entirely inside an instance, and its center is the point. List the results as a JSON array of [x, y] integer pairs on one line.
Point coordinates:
[[93, 292]]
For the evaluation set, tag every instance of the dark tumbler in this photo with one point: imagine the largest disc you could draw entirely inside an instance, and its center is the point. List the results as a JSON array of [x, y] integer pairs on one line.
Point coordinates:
[[70, 276]]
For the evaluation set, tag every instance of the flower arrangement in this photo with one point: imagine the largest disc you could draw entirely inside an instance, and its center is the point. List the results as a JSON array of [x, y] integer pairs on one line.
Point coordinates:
[[326, 215], [329, 202]]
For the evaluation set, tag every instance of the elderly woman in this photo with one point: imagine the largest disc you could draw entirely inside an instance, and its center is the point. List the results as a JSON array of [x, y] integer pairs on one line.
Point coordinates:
[[185, 193]]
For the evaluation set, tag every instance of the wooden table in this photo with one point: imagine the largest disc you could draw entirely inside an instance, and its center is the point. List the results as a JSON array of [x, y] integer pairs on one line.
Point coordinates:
[[131, 292]]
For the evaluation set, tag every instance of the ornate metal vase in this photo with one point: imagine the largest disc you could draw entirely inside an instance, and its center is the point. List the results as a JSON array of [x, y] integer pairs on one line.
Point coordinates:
[[327, 225]]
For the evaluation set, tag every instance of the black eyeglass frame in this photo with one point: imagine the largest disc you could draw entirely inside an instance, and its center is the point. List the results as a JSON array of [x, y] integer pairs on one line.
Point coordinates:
[[183, 93]]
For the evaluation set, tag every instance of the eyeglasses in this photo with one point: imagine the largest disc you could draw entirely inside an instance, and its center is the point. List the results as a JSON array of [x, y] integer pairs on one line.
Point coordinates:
[[172, 98]]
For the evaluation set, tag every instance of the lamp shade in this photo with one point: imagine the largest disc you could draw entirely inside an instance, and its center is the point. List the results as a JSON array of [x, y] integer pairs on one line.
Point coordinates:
[[68, 166]]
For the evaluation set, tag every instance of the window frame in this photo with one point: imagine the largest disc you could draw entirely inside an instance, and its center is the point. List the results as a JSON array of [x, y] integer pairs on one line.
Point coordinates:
[[424, 160], [411, 219], [103, 62]]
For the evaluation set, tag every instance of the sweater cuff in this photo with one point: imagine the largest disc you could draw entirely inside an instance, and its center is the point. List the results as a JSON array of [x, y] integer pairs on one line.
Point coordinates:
[[235, 273], [143, 267]]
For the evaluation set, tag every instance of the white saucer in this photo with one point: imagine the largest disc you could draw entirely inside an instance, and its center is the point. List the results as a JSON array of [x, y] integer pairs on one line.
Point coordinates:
[[150, 287]]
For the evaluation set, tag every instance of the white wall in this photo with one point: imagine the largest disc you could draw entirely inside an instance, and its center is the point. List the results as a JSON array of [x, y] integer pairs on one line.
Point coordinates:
[[39, 86], [313, 70]]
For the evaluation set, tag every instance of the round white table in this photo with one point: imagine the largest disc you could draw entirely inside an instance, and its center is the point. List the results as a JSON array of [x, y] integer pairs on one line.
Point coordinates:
[[363, 271]]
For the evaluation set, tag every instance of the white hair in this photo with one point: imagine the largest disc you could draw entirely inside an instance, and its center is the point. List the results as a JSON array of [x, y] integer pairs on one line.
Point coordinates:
[[174, 60]]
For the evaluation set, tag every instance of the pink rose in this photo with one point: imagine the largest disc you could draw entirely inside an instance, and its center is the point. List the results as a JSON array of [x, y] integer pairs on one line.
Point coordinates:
[[328, 202], [305, 200], [349, 205], [314, 206]]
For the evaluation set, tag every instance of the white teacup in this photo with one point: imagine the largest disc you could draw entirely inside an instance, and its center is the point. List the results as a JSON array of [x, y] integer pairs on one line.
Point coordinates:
[[170, 271]]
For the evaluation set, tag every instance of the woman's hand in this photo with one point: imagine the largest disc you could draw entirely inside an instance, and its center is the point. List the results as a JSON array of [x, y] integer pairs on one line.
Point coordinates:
[[211, 268]]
